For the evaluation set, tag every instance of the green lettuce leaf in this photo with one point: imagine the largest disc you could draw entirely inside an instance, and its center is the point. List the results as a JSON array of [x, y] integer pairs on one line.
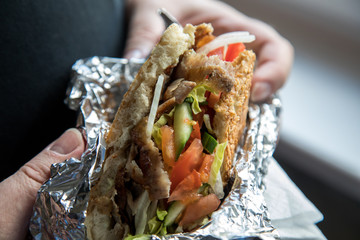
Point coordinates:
[[218, 160], [154, 225], [161, 214], [138, 237], [198, 96], [156, 133]]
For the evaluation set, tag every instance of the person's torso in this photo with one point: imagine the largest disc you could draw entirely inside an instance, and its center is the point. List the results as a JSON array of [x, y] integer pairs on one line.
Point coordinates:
[[39, 41]]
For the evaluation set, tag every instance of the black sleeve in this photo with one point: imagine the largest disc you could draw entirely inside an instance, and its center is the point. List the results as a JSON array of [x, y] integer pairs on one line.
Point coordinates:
[[39, 41]]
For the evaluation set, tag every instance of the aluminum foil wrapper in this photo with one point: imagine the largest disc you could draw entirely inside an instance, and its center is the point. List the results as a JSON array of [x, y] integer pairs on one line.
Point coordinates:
[[97, 87]]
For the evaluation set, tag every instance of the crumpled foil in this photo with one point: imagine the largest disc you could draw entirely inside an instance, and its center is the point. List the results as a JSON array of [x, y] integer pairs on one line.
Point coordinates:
[[96, 89]]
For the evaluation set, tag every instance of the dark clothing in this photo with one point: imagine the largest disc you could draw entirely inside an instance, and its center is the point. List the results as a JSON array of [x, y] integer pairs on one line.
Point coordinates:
[[39, 41]]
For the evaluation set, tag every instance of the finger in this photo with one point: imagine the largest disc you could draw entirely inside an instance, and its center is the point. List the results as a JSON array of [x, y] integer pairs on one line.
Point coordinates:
[[274, 59], [273, 68], [18, 192], [145, 29]]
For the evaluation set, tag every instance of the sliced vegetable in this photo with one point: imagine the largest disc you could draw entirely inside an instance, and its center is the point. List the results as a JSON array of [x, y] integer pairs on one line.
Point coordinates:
[[164, 119], [194, 134], [233, 51], [182, 126], [206, 168], [189, 100], [198, 96], [141, 216], [188, 160], [218, 188], [168, 147], [156, 133], [161, 214], [213, 98], [204, 189], [154, 225], [226, 39], [196, 131], [187, 187], [209, 143], [154, 105], [207, 122], [218, 160], [174, 211], [228, 52], [199, 209], [138, 237], [217, 52]]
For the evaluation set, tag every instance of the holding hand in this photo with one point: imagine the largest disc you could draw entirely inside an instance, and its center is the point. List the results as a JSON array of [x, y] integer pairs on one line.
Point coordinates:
[[274, 53], [18, 192]]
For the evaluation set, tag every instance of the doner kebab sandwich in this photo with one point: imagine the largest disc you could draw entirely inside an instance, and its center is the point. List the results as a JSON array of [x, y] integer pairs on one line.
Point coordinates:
[[171, 145]]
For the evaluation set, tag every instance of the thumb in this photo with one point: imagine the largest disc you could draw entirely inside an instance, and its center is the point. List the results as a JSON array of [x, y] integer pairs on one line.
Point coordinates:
[[18, 192], [145, 29]]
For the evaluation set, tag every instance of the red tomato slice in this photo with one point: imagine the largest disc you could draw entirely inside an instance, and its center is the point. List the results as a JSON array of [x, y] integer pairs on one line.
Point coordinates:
[[213, 99], [205, 168], [194, 134], [168, 147], [233, 51], [218, 51], [196, 131], [199, 209], [188, 160], [186, 187]]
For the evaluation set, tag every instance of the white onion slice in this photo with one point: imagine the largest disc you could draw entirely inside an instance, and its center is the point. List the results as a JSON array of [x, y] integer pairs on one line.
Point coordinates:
[[154, 105], [225, 39]]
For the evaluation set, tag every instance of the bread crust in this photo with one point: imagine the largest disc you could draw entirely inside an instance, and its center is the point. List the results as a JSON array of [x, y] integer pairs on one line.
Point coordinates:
[[231, 110]]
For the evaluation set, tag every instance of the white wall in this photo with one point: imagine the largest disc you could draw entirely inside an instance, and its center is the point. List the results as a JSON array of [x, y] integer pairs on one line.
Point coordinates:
[[322, 96]]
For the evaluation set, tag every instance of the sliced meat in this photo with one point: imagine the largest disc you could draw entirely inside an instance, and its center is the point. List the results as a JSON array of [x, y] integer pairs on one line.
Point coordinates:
[[133, 170], [175, 93], [179, 89], [156, 179], [165, 107], [212, 71]]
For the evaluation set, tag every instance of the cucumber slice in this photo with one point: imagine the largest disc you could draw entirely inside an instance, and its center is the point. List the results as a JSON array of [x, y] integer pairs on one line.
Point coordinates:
[[173, 212], [182, 126], [208, 142]]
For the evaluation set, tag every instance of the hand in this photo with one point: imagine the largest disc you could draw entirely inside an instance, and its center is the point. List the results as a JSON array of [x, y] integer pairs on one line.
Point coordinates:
[[274, 53], [18, 192]]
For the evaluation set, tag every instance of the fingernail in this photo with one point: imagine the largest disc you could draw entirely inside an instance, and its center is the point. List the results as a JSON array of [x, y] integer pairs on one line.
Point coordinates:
[[260, 92], [67, 142], [134, 54]]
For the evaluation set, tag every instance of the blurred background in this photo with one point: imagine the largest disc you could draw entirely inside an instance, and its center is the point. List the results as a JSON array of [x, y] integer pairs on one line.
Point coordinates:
[[319, 144]]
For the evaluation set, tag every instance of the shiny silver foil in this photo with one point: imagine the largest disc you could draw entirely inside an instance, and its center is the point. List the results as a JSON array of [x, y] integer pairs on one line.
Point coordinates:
[[96, 89]]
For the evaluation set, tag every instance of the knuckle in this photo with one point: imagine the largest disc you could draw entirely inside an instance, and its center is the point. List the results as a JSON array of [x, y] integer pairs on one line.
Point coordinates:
[[34, 172]]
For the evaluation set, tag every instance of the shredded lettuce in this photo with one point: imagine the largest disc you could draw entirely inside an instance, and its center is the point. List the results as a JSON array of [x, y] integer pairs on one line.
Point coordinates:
[[156, 133], [161, 214], [163, 230], [218, 160], [156, 225], [218, 187], [141, 216], [138, 237], [198, 96]]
